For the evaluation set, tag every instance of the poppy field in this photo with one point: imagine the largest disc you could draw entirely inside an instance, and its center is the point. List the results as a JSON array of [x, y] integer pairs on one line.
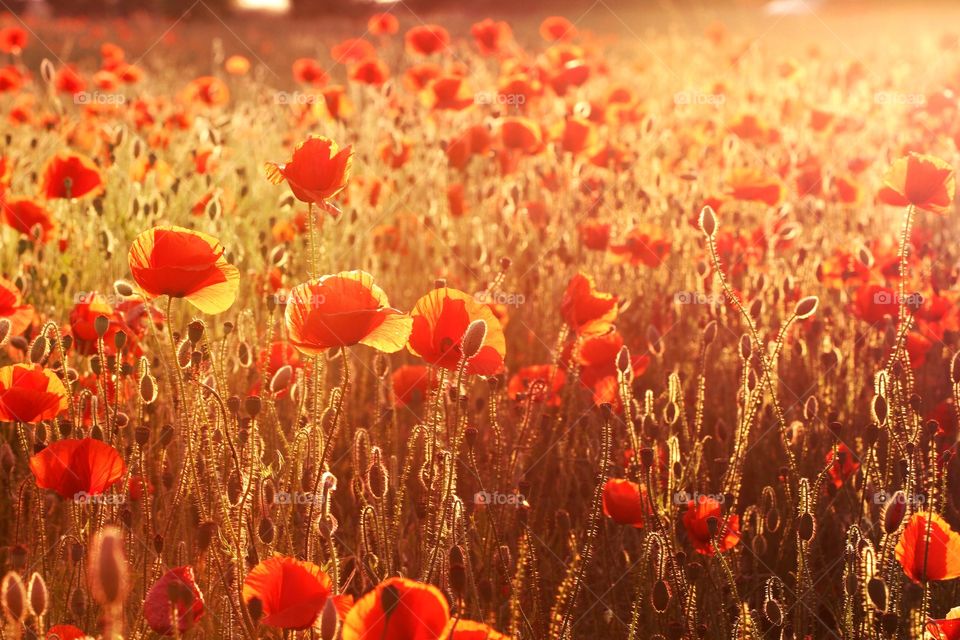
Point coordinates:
[[416, 326]]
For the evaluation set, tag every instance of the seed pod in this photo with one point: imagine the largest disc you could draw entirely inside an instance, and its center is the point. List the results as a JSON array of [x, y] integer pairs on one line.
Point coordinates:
[[806, 307], [252, 406], [13, 597], [38, 596], [101, 324], [107, 569], [195, 331], [877, 592], [473, 338], [708, 221]]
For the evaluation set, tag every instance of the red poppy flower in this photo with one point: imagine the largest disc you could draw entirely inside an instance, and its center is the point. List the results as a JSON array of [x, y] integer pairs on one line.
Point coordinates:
[[521, 134], [12, 40], [947, 628], [557, 28], [381, 24], [458, 629], [642, 245], [77, 467], [207, 90], [70, 175], [625, 502], [13, 309], [409, 384], [180, 263], [695, 521], [352, 50], [65, 632], [82, 318], [939, 552], [447, 93], [597, 356], [398, 609], [491, 36], [440, 319], [29, 393], [426, 39], [68, 80], [371, 71], [342, 310], [585, 309], [318, 170], [291, 592], [925, 182], [545, 374], [844, 467], [309, 71], [874, 302], [754, 186], [174, 596]]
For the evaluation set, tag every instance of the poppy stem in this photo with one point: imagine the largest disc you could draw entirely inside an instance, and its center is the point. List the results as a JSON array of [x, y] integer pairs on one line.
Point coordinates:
[[312, 243]]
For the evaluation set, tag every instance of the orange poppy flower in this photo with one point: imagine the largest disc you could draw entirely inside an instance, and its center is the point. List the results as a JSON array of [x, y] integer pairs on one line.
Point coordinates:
[[947, 628], [82, 318], [458, 629], [371, 71], [440, 319], [207, 90], [586, 310], [426, 39], [292, 592], [924, 181], [409, 384], [625, 502], [175, 596], [382, 24], [936, 557], [70, 175], [71, 467], [12, 308], [754, 186], [557, 28], [398, 609], [874, 302], [597, 357], [309, 71], [29, 393], [491, 36], [548, 374], [13, 40], [237, 65], [695, 521], [180, 263], [318, 170], [342, 310], [65, 632], [352, 50], [339, 106]]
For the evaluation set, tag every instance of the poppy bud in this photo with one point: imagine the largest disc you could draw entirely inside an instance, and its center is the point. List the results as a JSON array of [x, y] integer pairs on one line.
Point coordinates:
[[38, 595], [78, 603], [473, 338], [266, 530], [806, 307], [377, 479], [329, 621], [5, 326], [877, 592], [806, 527], [623, 361], [252, 405], [660, 597], [880, 409], [13, 597], [708, 221], [40, 349], [107, 569], [100, 324], [281, 379], [123, 288]]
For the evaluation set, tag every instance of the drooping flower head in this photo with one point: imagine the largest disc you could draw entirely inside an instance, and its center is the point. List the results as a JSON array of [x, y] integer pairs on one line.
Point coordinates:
[[924, 181]]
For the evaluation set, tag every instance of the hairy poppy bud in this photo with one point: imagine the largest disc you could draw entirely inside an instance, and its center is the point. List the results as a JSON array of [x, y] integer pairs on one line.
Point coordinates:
[[806, 307], [473, 338], [281, 379], [5, 326], [708, 221], [38, 595], [13, 597], [107, 569]]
